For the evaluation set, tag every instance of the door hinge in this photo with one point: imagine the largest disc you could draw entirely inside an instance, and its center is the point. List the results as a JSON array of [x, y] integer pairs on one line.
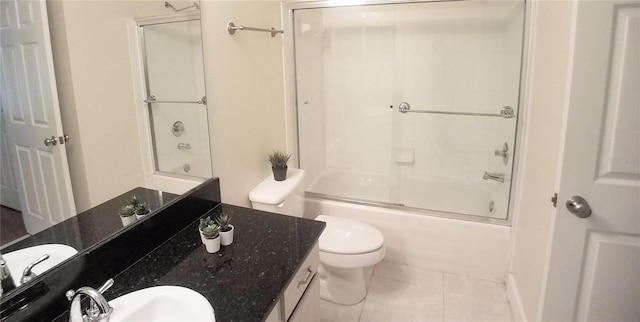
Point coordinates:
[[554, 199]]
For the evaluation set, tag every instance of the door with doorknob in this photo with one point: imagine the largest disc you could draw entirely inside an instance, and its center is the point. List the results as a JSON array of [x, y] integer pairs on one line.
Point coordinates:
[[32, 116], [594, 266]]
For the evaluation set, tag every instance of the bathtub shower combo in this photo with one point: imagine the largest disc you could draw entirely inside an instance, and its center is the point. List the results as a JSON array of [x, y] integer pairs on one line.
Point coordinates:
[[174, 89], [410, 106]]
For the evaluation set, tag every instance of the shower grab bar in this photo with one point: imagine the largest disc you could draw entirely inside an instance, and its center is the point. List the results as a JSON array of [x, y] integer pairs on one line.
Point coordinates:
[[506, 112], [231, 28], [152, 99]]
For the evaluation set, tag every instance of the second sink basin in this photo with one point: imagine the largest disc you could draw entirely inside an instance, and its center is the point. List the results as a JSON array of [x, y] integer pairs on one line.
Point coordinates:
[[18, 260], [162, 303]]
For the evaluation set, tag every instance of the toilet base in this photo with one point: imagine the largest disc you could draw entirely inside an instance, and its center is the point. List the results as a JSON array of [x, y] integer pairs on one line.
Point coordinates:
[[344, 286]]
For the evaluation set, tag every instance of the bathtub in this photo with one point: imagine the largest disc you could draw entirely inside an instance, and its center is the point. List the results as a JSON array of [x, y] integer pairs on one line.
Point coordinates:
[[418, 237], [179, 180], [438, 194]]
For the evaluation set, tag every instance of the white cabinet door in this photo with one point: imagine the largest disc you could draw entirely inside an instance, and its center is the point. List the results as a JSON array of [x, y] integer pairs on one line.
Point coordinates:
[[31, 103], [594, 270], [308, 309]]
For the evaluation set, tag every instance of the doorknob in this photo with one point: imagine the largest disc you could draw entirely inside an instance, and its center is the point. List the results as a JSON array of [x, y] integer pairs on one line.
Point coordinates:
[[578, 206], [50, 141]]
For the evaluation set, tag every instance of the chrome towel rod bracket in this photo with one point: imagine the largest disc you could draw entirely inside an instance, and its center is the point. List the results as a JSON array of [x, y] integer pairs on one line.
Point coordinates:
[[506, 112], [152, 99], [231, 28]]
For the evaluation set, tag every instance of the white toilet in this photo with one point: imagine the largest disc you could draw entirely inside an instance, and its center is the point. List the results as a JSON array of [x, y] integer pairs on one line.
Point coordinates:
[[347, 246]]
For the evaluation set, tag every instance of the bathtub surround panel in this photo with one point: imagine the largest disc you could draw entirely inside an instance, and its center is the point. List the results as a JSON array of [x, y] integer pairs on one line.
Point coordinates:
[[430, 242], [440, 56], [107, 259]]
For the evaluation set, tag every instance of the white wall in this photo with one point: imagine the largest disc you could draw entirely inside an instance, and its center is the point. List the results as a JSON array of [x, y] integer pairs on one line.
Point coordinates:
[[547, 84], [93, 70], [245, 86]]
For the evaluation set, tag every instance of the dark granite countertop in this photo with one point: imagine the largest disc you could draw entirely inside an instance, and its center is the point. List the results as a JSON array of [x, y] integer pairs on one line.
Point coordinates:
[[242, 281], [92, 226]]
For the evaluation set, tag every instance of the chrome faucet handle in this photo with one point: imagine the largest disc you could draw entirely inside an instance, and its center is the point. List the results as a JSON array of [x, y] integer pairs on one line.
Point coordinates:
[[503, 153], [70, 293], [27, 274], [99, 309]]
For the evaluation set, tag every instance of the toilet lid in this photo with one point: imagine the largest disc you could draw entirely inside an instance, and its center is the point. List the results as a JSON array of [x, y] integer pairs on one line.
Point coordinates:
[[347, 236]]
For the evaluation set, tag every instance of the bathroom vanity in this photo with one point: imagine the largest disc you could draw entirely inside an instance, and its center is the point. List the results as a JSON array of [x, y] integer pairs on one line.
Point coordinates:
[[268, 273], [267, 269]]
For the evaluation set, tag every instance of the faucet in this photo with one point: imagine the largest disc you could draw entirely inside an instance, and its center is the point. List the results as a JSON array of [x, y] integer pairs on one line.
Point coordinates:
[[493, 176], [99, 309], [27, 274], [7, 283]]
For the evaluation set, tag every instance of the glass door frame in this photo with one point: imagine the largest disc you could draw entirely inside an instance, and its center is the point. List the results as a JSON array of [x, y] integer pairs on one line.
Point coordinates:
[[291, 117], [142, 56]]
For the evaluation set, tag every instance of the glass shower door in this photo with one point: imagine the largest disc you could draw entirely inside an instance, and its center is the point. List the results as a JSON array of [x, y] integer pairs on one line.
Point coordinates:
[[457, 75], [176, 97], [452, 67], [344, 75]]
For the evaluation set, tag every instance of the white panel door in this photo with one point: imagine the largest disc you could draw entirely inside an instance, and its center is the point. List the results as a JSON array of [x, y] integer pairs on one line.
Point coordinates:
[[594, 272], [32, 114], [9, 194]]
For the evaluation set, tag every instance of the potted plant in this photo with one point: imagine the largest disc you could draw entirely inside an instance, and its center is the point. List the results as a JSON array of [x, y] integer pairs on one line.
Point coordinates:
[[127, 214], [226, 229], [279, 161], [210, 234], [140, 208]]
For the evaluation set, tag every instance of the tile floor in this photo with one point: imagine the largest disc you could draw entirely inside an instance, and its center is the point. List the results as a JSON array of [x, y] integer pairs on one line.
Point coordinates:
[[402, 293]]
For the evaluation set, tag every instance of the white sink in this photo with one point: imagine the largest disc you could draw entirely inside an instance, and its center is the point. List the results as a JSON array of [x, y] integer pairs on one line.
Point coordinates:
[[18, 260], [162, 303]]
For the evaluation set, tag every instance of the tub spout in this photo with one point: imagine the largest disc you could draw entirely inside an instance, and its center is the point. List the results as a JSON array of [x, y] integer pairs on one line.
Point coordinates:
[[493, 176]]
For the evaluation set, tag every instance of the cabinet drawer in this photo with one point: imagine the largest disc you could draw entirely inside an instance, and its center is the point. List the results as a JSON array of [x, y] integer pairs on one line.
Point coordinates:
[[299, 284]]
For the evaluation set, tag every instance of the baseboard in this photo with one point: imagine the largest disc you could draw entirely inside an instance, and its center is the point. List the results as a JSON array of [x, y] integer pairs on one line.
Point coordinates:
[[514, 299]]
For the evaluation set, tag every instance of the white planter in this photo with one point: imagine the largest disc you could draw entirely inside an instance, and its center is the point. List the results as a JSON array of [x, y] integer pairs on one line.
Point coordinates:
[[212, 244], [227, 237], [142, 216], [201, 236], [128, 220]]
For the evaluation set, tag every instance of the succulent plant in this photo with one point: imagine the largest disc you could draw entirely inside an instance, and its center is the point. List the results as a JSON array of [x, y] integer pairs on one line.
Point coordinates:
[[138, 207], [209, 228], [224, 221], [126, 211], [279, 159]]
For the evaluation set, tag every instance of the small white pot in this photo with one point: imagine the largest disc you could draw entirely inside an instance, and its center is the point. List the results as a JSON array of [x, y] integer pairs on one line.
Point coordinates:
[[144, 215], [212, 244], [227, 237], [201, 235], [128, 220]]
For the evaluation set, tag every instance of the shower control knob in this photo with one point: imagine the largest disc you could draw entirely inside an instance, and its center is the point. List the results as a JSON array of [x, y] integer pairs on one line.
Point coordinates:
[[578, 206]]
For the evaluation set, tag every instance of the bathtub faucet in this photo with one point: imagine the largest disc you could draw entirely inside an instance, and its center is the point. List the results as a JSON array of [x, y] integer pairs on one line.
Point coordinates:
[[493, 176]]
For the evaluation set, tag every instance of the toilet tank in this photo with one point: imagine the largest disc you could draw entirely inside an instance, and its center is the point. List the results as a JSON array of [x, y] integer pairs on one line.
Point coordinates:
[[282, 197]]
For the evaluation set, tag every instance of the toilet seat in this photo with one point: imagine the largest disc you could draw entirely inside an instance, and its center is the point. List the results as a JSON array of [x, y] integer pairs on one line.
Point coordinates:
[[349, 237]]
